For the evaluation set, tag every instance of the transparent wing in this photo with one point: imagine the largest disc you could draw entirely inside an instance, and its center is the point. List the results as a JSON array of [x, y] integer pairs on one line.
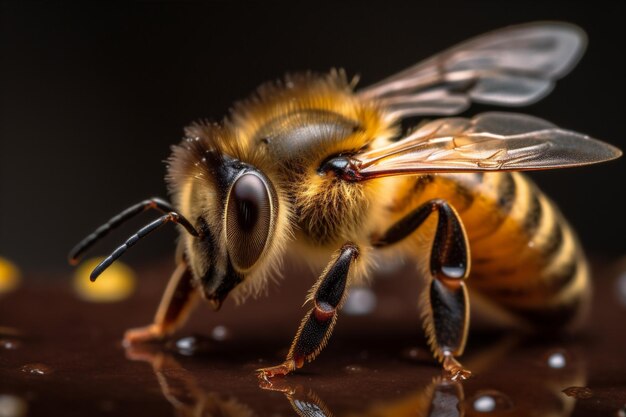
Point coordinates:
[[493, 141], [514, 66]]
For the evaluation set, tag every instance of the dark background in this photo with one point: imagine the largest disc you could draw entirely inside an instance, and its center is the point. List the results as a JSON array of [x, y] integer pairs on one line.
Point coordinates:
[[91, 98]]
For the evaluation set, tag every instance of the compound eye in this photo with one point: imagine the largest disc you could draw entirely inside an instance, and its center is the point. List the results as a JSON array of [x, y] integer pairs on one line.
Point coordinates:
[[248, 219]]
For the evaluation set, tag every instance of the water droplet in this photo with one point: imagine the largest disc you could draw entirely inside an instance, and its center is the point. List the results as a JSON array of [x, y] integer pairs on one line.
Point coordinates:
[[361, 301], [557, 360], [9, 344], [621, 288], [192, 345], [353, 368], [580, 393], [115, 284], [485, 404], [187, 345], [488, 401], [36, 369], [9, 276], [220, 333], [12, 406], [412, 353]]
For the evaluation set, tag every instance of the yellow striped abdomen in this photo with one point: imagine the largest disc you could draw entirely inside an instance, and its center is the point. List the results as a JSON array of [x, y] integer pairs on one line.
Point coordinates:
[[525, 256]]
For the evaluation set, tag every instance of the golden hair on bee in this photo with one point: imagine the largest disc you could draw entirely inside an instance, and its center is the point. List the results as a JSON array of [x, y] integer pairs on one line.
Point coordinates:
[[310, 158], [195, 185], [331, 92]]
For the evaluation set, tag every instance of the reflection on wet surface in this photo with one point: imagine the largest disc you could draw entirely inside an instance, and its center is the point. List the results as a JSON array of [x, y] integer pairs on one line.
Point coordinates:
[[581, 393], [183, 390], [438, 398], [36, 369], [62, 356]]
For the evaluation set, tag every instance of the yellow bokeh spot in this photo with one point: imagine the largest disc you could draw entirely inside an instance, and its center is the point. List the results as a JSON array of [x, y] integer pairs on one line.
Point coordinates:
[[9, 276], [116, 283]]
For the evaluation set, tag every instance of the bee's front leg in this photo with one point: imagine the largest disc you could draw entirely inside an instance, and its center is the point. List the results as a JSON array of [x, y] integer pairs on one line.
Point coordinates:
[[446, 312], [177, 302], [314, 332]]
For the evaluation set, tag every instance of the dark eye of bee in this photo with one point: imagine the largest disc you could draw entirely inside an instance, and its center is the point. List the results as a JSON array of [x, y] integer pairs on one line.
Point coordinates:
[[248, 218]]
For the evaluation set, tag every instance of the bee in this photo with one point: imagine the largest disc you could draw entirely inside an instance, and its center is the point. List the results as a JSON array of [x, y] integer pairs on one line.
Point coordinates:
[[315, 167]]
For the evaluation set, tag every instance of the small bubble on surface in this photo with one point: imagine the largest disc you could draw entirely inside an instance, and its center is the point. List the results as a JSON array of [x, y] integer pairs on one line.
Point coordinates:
[[353, 368], [187, 345], [9, 276], [557, 360], [12, 406], [192, 345], [489, 401], [621, 288], [220, 333], [9, 344], [360, 301], [485, 404], [36, 369], [412, 353], [580, 393], [116, 283]]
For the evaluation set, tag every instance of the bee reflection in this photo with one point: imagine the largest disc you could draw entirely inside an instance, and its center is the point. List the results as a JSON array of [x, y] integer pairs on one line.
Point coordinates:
[[530, 384], [181, 389], [442, 397]]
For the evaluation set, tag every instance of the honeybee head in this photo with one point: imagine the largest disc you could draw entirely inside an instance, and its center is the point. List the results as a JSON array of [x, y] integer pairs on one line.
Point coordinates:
[[236, 210]]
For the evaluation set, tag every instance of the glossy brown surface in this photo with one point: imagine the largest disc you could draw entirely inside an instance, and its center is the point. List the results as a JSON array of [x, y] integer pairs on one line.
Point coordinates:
[[62, 356]]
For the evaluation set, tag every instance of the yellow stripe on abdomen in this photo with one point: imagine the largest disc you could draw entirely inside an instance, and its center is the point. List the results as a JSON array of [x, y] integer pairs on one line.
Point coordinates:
[[525, 257]]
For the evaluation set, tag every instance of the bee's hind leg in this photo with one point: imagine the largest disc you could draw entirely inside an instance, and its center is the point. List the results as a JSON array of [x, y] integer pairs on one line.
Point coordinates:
[[446, 308], [176, 304], [327, 295]]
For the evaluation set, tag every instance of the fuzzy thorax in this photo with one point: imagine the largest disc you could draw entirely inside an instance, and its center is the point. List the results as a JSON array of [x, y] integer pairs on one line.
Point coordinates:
[[285, 131]]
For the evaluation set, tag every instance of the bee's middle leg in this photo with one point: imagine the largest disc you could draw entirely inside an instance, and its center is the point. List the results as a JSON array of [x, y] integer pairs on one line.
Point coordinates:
[[327, 295], [446, 313]]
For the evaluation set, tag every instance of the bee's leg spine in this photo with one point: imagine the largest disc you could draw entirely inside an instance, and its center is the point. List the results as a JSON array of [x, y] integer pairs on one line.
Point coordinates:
[[317, 326], [446, 313]]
